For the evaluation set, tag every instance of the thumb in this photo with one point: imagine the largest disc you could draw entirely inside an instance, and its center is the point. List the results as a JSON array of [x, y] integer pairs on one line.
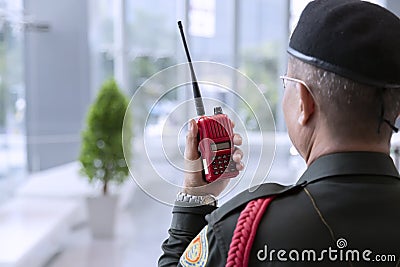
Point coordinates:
[[191, 149]]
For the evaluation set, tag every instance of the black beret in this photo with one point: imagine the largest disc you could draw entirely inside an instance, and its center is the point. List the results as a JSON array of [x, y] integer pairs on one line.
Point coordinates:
[[354, 39]]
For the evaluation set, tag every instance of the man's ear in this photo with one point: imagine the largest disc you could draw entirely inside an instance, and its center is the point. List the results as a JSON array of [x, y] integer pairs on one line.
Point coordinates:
[[307, 104]]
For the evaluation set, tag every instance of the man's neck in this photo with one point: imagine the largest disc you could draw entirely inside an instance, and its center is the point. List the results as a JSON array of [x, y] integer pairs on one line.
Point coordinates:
[[328, 145]]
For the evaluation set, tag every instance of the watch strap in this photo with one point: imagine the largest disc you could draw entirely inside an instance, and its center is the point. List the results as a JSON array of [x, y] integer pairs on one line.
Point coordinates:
[[197, 200]]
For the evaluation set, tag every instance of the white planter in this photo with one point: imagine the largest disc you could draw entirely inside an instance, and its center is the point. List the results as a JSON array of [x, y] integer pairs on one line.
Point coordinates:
[[102, 211]]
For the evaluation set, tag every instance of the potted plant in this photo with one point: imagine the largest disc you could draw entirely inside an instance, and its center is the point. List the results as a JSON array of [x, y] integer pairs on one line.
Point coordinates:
[[102, 154]]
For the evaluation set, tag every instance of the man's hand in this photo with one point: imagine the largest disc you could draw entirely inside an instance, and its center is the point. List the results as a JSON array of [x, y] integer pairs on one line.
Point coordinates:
[[194, 183]]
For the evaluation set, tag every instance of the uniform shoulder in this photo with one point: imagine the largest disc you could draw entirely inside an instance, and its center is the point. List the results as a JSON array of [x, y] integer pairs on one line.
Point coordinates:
[[238, 202]]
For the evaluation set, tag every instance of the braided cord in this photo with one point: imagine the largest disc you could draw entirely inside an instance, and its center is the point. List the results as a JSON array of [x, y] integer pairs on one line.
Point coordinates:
[[245, 232]]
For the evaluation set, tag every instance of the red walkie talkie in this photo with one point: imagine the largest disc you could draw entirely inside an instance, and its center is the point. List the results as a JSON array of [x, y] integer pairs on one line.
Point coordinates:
[[215, 133]]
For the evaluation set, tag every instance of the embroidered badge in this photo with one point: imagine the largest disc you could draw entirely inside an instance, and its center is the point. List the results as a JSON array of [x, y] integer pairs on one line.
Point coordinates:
[[196, 253]]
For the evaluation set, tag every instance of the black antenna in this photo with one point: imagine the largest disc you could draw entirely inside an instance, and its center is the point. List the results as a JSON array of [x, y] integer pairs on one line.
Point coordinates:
[[198, 101]]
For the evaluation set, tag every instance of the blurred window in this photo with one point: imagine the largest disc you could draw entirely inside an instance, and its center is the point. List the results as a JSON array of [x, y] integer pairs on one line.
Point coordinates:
[[101, 41], [12, 97]]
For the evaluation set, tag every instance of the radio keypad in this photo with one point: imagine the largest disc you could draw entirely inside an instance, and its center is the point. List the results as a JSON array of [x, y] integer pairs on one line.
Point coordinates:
[[221, 164]]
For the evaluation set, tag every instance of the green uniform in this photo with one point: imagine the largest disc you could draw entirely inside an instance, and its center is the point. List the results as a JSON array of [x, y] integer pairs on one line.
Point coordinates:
[[344, 211]]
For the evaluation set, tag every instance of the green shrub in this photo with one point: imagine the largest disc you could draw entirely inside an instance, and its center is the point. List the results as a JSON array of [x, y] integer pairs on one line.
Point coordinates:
[[102, 151]]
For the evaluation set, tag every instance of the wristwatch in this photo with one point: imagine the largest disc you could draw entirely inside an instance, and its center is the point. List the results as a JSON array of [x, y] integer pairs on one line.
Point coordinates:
[[200, 200]]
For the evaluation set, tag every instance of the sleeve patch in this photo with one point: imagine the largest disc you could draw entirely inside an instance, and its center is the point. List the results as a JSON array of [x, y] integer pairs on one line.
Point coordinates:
[[196, 254]]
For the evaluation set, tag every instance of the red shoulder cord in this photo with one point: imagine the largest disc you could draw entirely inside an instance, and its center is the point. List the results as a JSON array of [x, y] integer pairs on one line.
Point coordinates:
[[245, 231]]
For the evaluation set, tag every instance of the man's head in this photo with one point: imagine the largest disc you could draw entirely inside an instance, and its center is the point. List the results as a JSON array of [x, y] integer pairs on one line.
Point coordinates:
[[347, 53]]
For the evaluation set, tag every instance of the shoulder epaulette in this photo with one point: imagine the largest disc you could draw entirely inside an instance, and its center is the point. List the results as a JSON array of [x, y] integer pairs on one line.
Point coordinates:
[[264, 190]]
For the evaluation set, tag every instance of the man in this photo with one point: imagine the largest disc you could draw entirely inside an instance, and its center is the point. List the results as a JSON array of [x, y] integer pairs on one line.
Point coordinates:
[[341, 100]]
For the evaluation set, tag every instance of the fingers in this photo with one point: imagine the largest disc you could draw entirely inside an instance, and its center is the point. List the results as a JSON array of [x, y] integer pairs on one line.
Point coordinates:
[[237, 157], [237, 139], [240, 166], [191, 149], [238, 153]]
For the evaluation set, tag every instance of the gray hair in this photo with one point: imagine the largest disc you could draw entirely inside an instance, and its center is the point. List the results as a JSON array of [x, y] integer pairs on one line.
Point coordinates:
[[350, 108]]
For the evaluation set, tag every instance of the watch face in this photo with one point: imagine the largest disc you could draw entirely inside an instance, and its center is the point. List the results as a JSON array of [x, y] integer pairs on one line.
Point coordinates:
[[209, 200]]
